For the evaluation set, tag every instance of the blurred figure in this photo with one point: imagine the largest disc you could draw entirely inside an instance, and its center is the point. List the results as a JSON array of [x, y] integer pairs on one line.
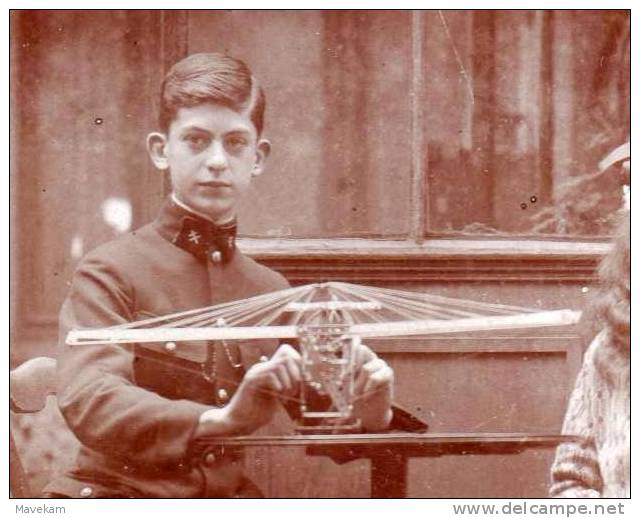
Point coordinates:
[[599, 407]]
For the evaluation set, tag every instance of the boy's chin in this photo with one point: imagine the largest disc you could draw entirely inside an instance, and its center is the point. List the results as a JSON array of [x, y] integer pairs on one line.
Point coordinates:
[[215, 208], [218, 211]]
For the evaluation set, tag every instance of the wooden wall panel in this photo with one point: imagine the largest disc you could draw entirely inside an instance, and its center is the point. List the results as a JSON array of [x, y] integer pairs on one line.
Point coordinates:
[[84, 96], [367, 141], [563, 94], [453, 392], [517, 101], [517, 120], [338, 115], [459, 70], [83, 109], [485, 114], [488, 393]]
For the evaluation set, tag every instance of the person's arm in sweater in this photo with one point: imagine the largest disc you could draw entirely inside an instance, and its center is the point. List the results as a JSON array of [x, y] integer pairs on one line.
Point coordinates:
[[575, 472]]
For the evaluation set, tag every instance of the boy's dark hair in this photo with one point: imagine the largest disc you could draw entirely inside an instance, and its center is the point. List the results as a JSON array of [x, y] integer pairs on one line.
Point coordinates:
[[211, 77]]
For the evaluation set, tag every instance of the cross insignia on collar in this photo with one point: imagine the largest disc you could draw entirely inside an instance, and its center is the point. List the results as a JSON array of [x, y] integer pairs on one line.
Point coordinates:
[[194, 237], [206, 241]]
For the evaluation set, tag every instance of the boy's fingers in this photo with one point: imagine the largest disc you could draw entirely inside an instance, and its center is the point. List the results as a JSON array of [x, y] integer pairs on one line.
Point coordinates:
[[363, 355], [378, 380], [273, 383], [364, 373], [361, 381], [273, 378], [282, 373], [371, 374], [286, 362], [374, 366], [358, 383], [260, 382], [286, 351], [294, 368]]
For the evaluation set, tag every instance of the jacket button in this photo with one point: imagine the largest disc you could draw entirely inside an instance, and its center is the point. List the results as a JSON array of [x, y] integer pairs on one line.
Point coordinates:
[[216, 256], [223, 395], [170, 347], [86, 492], [209, 459]]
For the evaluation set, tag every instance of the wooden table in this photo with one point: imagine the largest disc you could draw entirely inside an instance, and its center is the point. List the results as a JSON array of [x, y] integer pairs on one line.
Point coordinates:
[[390, 452]]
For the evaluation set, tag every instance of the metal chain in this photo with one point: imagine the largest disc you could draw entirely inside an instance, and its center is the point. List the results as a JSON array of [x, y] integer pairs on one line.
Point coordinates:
[[229, 356]]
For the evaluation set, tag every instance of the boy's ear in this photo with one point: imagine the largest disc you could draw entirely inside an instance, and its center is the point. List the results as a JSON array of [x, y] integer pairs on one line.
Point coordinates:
[[156, 146], [262, 152]]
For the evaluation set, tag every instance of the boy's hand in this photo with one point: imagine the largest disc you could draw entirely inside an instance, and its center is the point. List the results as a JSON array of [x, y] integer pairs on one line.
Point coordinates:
[[373, 374], [255, 401], [373, 389]]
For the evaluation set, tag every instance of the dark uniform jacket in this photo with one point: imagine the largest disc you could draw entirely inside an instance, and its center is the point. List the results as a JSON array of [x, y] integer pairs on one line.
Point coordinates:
[[135, 408]]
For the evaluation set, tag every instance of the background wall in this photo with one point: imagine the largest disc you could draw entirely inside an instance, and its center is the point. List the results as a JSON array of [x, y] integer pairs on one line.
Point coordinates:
[[411, 149]]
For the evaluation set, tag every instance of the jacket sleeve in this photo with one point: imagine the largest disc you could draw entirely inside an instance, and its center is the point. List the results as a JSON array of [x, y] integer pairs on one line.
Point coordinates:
[[575, 472], [96, 391]]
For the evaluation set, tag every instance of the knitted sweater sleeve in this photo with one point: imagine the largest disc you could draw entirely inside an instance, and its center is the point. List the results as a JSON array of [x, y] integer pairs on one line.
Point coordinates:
[[575, 472]]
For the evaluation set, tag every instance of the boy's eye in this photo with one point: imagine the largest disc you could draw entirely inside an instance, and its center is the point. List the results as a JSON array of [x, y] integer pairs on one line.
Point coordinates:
[[235, 143], [196, 141]]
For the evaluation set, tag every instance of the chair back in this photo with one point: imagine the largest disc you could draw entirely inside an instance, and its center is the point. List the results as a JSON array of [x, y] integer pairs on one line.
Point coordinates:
[[39, 440]]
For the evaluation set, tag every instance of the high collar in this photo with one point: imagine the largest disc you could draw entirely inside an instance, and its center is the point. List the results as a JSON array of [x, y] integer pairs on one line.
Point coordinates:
[[194, 234]]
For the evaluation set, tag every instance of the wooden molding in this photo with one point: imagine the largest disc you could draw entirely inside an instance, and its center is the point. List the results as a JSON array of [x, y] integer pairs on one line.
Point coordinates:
[[434, 260], [508, 342]]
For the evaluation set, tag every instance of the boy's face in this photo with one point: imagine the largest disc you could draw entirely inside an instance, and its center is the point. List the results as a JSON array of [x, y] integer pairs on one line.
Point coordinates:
[[212, 152]]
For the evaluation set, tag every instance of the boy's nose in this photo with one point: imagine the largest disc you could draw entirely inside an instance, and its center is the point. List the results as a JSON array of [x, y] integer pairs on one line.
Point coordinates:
[[217, 158]]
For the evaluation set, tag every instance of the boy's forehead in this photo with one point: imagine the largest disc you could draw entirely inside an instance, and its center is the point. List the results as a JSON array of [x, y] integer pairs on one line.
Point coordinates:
[[212, 117]]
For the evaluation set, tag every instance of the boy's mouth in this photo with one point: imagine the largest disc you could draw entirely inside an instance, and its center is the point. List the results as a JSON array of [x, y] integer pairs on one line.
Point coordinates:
[[214, 184]]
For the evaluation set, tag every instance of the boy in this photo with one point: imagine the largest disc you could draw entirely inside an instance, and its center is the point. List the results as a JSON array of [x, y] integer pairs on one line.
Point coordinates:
[[138, 410]]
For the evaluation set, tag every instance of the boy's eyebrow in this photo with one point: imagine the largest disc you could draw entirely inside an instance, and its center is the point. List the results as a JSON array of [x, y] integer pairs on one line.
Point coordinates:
[[186, 129], [240, 130]]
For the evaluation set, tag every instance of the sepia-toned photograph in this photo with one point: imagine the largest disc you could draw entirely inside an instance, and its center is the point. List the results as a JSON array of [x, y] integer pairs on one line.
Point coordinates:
[[319, 254]]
